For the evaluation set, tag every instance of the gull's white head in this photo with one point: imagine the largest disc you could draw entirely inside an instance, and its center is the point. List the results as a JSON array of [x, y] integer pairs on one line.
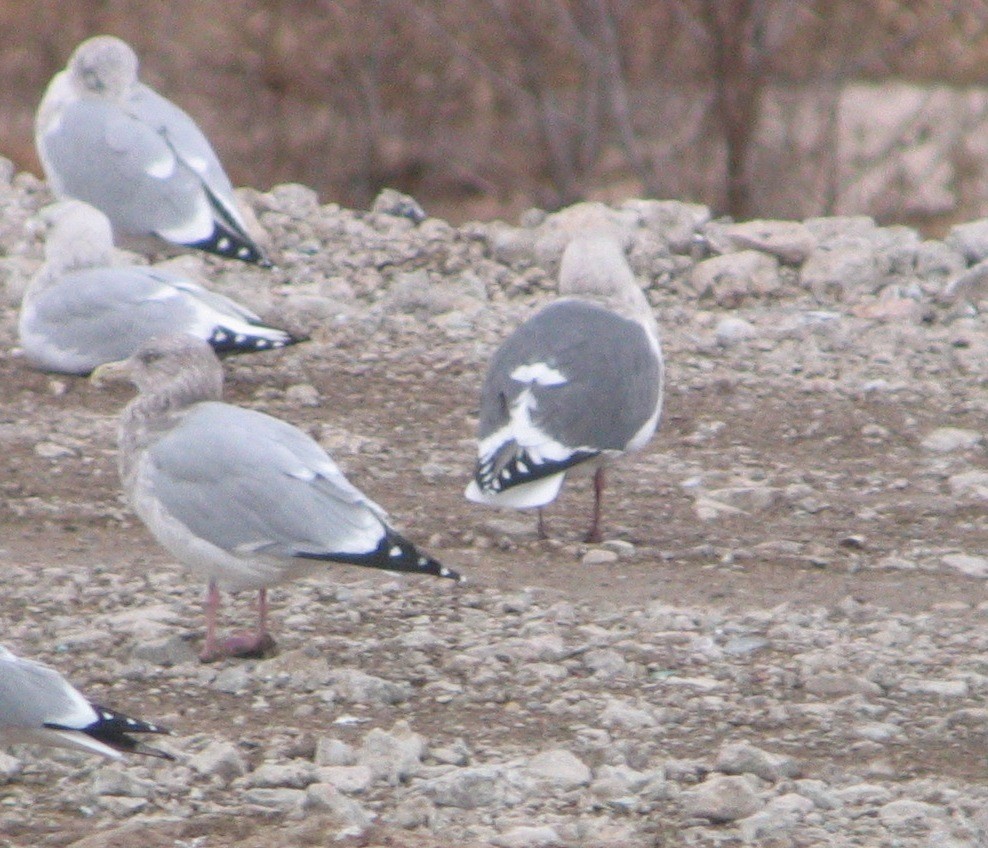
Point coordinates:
[[78, 236], [104, 67], [594, 265]]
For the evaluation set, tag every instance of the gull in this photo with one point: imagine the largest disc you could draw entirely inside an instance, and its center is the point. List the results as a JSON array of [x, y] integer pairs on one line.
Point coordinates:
[[578, 384], [80, 311], [243, 499], [106, 138], [39, 706]]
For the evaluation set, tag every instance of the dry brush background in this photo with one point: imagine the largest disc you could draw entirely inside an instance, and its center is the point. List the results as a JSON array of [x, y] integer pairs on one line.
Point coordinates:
[[480, 109]]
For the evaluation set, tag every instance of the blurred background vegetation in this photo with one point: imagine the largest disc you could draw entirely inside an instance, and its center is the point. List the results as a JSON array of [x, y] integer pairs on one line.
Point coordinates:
[[482, 108]]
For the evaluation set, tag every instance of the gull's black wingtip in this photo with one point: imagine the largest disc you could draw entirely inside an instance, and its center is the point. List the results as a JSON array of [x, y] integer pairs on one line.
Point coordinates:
[[393, 553], [113, 729]]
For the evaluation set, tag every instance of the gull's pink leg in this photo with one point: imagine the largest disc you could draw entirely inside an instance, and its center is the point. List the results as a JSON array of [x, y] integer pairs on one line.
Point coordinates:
[[594, 534], [210, 650], [256, 644], [543, 531]]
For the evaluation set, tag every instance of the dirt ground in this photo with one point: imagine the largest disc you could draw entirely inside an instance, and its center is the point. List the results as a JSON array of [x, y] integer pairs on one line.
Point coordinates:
[[851, 491]]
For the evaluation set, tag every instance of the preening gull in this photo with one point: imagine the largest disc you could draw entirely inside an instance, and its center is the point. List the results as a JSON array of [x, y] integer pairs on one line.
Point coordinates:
[[39, 706], [244, 499], [578, 383], [106, 138], [80, 311]]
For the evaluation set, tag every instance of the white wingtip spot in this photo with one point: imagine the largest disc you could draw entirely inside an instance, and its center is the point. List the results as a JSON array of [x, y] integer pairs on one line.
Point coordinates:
[[223, 243], [395, 551], [161, 169], [538, 372]]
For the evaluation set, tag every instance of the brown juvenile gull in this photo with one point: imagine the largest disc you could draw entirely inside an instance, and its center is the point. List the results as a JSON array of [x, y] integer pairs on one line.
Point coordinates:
[[106, 138], [579, 383], [40, 707], [244, 499], [80, 310]]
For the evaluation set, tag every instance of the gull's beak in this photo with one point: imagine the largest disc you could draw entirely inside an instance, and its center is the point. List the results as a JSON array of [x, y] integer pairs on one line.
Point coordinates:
[[110, 373]]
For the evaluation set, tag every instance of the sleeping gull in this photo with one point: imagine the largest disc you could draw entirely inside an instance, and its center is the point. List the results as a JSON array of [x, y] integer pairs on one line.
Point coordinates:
[[242, 498], [579, 382], [79, 311], [39, 706], [106, 138]]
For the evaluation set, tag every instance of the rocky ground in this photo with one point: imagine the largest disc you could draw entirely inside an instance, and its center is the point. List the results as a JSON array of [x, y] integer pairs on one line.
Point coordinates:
[[781, 643]]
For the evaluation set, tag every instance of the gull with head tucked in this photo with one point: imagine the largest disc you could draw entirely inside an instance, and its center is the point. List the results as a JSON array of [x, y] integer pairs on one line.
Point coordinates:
[[578, 384], [106, 138], [246, 500], [80, 310]]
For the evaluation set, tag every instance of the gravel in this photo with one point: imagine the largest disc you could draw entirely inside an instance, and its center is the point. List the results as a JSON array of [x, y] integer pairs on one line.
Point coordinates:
[[782, 642]]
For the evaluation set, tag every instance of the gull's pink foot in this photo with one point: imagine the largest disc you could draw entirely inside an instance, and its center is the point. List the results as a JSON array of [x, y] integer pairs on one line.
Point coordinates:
[[250, 646], [242, 646]]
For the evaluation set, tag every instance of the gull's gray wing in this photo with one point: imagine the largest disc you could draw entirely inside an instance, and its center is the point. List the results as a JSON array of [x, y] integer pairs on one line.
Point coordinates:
[[105, 314], [574, 381], [101, 315], [147, 166], [248, 483], [32, 694], [594, 377], [191, 147], [112, 160], [38, 705]]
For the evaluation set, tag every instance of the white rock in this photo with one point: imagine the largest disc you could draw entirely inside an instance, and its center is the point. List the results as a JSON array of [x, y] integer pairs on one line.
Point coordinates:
[[350, 779], [734, 277], [949, 439], [675, 222], [334, 752], [219, 759], [233, 680], [173, 650], [527, 836], [599, 556], [359, 687], [732, 330], [790, 241], [906, 814], [324, 797], [938, 688], [10, 767], [303, 394], [970, 484], [294, 775], [841, 269], [972, 566], [745, 758], [721, 799], [53, 450], [622, 714], [477, 786], [275, 799], [560, 768], [112, 781], [832, 684], [392, 756], [970, 239]]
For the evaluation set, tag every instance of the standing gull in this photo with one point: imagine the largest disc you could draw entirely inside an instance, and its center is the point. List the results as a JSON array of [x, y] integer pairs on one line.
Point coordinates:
[[244, 499], [106, 138], [578, 383], [39, 706], [79, 311]]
